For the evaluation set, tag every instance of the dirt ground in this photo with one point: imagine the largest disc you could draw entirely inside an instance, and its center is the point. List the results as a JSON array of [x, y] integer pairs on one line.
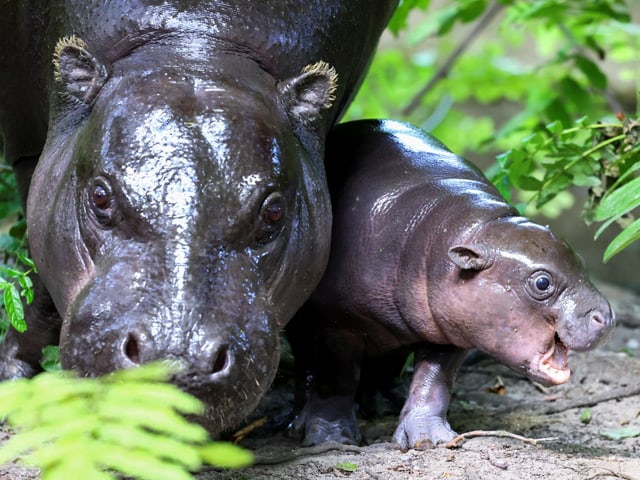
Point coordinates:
[[606, 382]]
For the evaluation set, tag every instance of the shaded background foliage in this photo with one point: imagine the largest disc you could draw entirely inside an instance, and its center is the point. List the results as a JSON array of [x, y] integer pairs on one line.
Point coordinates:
[[542, 95]]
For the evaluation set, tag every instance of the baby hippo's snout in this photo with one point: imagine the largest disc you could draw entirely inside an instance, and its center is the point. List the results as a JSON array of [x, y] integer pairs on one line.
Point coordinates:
[[591, 329], [602, 320], [213, 360]]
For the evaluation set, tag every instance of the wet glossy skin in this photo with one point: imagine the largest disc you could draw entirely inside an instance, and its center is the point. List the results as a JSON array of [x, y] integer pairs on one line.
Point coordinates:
[[427, 257], [179, 208]]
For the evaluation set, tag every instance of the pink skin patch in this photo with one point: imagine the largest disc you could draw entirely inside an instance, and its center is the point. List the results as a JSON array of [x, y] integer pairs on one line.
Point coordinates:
[[554, 364]]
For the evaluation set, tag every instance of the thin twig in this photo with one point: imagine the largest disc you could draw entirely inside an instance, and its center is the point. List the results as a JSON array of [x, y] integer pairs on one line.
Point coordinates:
[[444, 69], [496, 433]]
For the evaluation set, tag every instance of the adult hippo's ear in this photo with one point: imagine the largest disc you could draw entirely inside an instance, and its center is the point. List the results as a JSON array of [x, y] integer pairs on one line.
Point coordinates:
[[310, 92], [79, 73], [472, 257]]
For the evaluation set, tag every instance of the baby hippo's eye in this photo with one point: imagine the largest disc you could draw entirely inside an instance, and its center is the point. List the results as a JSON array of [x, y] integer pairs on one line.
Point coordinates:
[[271, 217], [540, 285], [543, 283]]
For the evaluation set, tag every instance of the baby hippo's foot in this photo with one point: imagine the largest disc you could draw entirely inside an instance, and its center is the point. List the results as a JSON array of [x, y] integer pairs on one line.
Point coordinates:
[[420, 429], [326, 420]]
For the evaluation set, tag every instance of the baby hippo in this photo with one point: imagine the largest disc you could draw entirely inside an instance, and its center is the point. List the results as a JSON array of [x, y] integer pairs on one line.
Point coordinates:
[[427, 257]]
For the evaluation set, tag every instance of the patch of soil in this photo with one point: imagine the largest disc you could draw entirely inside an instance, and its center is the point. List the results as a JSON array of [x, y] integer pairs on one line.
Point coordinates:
[[606, 381]]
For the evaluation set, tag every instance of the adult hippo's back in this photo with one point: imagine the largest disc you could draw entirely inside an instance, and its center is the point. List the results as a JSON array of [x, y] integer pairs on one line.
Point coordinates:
[[178, 208]]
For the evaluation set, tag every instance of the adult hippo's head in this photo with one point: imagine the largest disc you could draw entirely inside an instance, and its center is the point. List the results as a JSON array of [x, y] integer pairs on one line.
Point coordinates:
[[181, 212]]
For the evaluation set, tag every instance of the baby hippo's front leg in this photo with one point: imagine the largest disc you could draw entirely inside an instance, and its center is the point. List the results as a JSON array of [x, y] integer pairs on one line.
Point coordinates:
[[423, 419]]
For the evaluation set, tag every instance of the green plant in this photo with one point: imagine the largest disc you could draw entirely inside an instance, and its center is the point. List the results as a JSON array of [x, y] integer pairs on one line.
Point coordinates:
[[128, 422], [12, 295], [521, 70], [15, 265]]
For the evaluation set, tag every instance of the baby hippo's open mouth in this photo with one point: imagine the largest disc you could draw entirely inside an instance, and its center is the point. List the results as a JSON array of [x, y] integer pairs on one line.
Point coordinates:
[[554, 364]]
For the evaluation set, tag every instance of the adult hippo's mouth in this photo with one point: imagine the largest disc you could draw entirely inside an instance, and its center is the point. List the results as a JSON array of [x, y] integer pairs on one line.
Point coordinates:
[[553, 368]]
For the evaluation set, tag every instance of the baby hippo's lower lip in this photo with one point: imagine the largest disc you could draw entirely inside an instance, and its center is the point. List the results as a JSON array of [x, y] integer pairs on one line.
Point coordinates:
[[554, 365]]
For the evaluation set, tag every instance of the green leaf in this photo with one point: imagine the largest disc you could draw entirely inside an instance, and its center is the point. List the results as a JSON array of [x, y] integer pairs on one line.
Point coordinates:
[[620, 201], [399, 20], [555, 128], [348, 467], [557, 110], [471, 10], [159, 418], [625, 238], [141, 464], [152, 372], [168, 448], [51, 358], [14, 308], [166, 394], [585, 415], [24, 441], [621, 433], [226, 455], [26, 261], [592, 72]]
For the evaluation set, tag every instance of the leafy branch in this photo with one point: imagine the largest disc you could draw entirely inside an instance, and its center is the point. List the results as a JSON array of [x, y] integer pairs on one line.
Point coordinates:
[[12, 296], [129, 422], [561, 158]]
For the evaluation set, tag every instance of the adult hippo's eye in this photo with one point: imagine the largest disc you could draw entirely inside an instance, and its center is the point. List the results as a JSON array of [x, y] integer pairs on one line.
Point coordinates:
[[540, 285], [101, 199], [271, 217]]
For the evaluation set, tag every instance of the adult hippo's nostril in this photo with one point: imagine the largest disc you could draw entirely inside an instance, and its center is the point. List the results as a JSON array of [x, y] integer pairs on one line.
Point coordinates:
[[131, 349], [222, 360]]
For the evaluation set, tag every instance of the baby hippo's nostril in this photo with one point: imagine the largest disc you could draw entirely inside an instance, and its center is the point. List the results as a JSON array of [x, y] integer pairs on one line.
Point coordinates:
[[131, 349], [598, 319]]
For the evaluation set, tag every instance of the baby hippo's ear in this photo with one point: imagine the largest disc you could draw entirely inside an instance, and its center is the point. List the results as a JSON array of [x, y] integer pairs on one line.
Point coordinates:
[[472, 257], [79, 73], [310, 92]]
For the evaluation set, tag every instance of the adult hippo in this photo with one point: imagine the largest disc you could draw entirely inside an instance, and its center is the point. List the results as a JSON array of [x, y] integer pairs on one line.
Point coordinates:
[[170, 157]]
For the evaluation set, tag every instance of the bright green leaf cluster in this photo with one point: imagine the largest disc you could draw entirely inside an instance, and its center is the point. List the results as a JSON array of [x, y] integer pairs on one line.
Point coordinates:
[[15, 282], [129, 422], [601, 156]]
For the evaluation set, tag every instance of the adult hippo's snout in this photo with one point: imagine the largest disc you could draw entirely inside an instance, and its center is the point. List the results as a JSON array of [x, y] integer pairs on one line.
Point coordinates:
[[224, 335]]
